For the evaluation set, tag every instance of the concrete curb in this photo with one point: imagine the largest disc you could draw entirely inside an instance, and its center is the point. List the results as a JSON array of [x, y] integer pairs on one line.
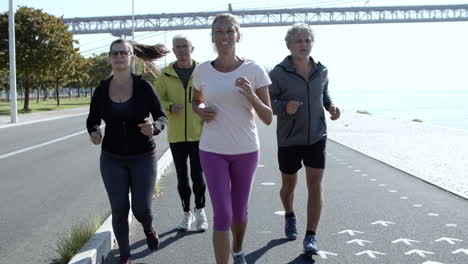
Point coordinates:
[[102, 242]]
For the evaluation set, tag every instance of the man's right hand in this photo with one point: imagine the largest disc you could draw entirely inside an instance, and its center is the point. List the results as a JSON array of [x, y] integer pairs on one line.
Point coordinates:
[[175, 108], [292, 106], [96, 136]]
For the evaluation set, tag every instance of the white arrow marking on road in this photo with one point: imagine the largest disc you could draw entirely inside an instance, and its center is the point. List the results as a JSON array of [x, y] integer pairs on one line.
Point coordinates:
[[449, 240], [461, 250], [323, 254], [370, 253], [405, 240], [384, 223], [421, 253], [432, 262], [350, 232], [358, 241]]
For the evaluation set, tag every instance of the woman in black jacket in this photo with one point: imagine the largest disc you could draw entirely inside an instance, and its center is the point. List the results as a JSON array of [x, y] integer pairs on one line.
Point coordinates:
[[128, 158]]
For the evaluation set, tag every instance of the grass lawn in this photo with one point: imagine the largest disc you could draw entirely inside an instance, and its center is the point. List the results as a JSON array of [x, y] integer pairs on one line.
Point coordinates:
[[48, 105]]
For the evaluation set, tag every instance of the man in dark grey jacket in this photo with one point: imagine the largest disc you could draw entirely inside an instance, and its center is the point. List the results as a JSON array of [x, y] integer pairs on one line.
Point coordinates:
[[299, 94]]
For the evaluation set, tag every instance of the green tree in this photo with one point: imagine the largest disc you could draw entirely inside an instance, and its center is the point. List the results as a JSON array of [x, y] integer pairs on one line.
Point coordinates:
[[81, 76], [4, 81], [44, 47], [100, 70]]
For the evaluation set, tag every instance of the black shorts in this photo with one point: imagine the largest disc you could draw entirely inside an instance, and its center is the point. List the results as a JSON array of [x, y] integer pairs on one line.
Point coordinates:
[[313, 156]]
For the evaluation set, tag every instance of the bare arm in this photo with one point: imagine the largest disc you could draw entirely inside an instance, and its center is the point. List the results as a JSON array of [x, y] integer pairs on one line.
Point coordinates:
[[260, 99], [262, 106]]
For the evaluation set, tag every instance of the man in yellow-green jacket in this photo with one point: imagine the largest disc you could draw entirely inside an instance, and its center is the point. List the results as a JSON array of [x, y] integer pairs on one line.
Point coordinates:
[[174, 87]]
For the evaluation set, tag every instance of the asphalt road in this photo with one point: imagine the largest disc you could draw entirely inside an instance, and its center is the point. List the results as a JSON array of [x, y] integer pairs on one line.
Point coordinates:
[[46, 187], [373, 213]]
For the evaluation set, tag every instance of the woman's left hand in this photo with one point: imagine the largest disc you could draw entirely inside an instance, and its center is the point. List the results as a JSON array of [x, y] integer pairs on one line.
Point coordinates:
[[246, 89], [146, 128]]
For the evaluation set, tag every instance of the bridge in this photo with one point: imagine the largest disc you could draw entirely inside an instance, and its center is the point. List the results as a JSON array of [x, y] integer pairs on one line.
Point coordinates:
[[123, 25]]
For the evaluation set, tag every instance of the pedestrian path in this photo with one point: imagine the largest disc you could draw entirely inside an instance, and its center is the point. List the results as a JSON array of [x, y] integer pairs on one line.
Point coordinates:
[[23, 119], [373, 213]]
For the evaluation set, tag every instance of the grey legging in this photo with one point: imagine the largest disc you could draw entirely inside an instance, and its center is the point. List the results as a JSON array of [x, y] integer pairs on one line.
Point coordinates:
[[137, 173]]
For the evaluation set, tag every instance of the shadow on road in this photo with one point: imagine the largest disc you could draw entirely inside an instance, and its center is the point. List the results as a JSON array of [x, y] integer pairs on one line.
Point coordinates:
[[172, 236], [303, 259], [255, 255]]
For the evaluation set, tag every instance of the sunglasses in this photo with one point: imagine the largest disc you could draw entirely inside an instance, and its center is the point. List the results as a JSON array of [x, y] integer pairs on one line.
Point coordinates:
[[123, 53]]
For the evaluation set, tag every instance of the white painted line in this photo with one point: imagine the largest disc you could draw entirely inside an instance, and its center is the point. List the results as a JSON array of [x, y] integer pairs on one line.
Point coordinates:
[[392, 191], [280, 213], [268, 183], [382, 185], [260, 166], [460, 250], [451, 241], [41, 145], [350, 232], [404, 198], [357, 170], [41, 120], [323, 254], [372, 179], [370, 253], [451, 225], [359, 242], [364, 175], [421, 253], [405, 240], [384, 223], [417, 205], [433, 214], [350, 166]]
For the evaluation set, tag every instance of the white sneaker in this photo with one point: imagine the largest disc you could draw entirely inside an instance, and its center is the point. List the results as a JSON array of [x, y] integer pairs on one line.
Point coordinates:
[[186, 222], [201, 224]]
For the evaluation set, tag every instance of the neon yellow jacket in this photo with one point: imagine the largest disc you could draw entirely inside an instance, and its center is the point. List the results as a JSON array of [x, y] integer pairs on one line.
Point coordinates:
[[186, 125]]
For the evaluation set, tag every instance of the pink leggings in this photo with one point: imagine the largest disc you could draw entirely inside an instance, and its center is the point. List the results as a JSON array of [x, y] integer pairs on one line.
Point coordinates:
[[229, 179]]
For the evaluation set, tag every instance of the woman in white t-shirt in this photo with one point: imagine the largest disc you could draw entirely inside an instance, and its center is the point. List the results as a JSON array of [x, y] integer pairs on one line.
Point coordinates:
[[228, 92]]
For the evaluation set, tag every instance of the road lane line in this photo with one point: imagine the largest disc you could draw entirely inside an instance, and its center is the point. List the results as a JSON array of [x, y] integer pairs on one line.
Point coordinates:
[[41, 145]]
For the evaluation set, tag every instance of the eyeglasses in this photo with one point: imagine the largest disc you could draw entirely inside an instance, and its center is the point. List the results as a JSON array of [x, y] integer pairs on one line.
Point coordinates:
[[123, 53]]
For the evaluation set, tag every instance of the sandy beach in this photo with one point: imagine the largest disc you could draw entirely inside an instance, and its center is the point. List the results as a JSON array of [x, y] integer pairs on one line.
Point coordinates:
[[438, 155]]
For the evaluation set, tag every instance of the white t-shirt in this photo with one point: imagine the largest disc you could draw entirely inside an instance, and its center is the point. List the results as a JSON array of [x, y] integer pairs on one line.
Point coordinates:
[[233, 130]]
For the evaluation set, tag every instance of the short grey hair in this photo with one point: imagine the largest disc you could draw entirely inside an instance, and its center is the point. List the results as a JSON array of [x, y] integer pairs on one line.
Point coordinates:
[[184, 37], [296, 28]]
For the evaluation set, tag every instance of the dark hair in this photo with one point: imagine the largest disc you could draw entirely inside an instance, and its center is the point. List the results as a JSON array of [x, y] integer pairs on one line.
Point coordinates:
[[147, 53]]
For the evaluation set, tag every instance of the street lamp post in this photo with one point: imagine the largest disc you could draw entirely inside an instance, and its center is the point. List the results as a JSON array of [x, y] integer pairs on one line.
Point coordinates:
[[11, 39]]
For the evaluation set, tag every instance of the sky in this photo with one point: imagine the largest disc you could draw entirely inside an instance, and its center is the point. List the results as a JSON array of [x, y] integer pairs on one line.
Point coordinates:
[[414, 56]]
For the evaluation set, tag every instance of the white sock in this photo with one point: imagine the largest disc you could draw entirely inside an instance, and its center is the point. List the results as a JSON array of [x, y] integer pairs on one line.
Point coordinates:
[[237, 254]]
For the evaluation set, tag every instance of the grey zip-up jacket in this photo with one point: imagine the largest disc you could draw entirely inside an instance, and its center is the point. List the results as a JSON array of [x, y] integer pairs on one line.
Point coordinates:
[[307, 126]]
